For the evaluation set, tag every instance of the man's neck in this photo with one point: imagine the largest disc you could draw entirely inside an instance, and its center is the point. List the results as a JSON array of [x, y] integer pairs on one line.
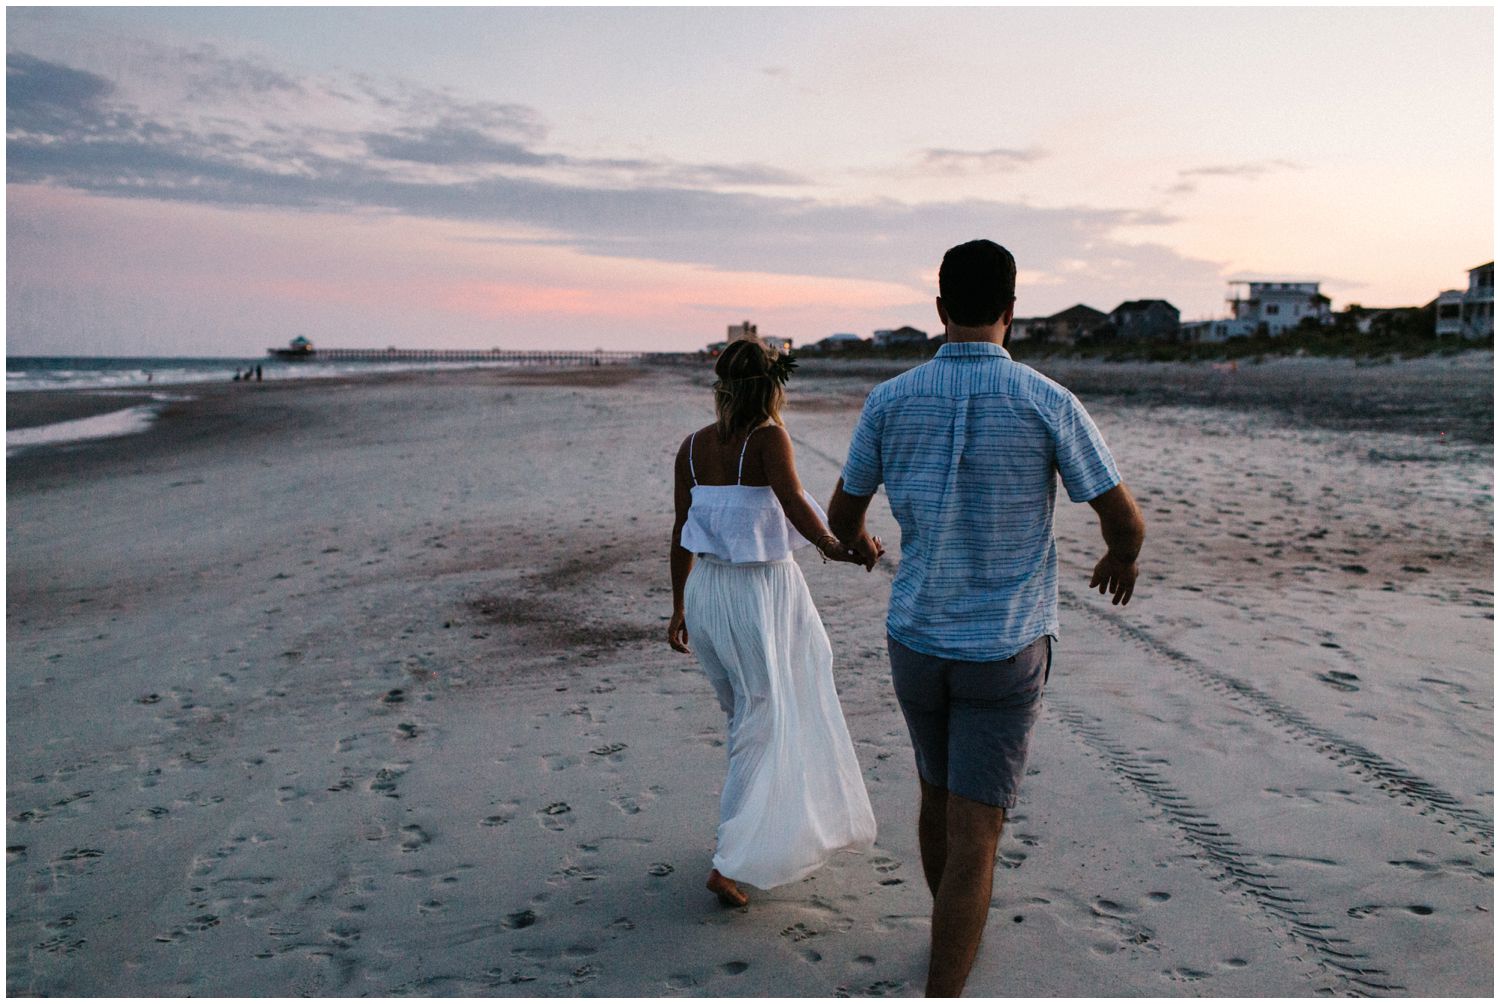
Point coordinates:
[[993, 333]]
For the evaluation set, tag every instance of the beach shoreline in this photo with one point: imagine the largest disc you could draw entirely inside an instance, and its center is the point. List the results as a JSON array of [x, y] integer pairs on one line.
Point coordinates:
[[361, 687]]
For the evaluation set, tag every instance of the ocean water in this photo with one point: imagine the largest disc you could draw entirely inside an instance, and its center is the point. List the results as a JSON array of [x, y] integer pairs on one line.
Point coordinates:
[[34, 373], [24, 374]]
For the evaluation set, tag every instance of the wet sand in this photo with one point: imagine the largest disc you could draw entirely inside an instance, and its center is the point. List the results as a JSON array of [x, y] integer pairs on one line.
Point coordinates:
[[29, 409], [359, 687]]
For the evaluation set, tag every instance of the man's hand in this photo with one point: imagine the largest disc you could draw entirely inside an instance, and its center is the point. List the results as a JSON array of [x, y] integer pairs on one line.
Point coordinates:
[[677, 633], [867, 550], [1124, 531], [1115, 577]]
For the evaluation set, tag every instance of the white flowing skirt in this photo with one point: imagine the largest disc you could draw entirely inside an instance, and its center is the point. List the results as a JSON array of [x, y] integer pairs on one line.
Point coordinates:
[[794, 795]]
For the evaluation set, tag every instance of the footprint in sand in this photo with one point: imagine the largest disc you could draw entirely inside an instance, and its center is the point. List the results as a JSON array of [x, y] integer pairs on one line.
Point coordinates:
[[506, 811], [1010, 859], [733, 968], [798, 932], [519, 919], [1339, 680], [413, 838], [386, 779], [556, 816]]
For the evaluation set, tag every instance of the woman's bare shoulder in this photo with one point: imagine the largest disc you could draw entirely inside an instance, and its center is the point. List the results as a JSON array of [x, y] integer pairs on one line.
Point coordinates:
[[695, 438], [773, 437]]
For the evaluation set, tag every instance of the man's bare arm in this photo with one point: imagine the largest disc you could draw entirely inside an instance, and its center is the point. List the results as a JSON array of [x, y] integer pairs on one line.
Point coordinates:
[[846, 521], [1124, 531]]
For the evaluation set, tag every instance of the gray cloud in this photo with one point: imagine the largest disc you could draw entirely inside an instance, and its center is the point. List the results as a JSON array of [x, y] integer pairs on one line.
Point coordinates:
[[210, 75], [451, 145], [75, 135], [1252, 170], [43, 97], [979, 161]]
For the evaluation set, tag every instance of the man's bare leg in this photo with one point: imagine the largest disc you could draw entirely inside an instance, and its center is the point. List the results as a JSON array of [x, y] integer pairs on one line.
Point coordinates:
[[932, 834], [962, 902]]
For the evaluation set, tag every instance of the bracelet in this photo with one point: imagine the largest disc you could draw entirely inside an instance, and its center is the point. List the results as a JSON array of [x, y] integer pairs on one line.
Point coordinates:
[[823, 543]]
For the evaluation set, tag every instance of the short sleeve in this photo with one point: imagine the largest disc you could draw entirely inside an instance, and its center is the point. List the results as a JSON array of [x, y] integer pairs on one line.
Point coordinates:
[[1084, 461], [862, 470]]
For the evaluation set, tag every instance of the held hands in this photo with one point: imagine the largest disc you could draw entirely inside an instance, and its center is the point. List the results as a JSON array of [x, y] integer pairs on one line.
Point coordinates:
[[864, 550], [677, 633], [1116, 577]]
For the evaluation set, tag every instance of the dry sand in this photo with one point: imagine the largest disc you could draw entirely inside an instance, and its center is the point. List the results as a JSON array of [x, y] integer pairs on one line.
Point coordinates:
[[360, 688]]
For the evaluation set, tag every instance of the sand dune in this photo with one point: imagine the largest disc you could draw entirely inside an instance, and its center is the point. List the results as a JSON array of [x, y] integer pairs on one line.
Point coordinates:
[[360, 688]]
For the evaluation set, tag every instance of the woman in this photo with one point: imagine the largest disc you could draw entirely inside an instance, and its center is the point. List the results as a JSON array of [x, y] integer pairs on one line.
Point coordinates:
[[794, 794]]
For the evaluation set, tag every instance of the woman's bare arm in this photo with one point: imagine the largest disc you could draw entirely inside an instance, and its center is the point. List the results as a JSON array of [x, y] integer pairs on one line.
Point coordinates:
[[680, 559], [781, 473]]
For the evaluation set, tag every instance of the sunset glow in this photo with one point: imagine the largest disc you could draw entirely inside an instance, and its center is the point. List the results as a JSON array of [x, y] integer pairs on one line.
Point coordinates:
[[212, 181]]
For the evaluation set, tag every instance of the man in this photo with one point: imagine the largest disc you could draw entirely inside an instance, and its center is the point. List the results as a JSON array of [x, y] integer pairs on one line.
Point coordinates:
[[969, 447]]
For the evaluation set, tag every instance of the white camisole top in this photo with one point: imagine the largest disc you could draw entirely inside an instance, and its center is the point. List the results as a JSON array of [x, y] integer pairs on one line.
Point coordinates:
[[740, 522]]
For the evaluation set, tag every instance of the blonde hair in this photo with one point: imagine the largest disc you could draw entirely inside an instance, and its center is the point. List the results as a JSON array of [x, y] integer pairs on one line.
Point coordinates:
[[746, 395]]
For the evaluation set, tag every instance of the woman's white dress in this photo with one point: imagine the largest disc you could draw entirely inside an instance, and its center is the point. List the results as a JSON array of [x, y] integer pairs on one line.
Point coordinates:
[[794, 795]]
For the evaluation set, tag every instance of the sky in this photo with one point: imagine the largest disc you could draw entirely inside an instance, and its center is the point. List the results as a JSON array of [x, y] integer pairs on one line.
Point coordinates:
[[214, 181]]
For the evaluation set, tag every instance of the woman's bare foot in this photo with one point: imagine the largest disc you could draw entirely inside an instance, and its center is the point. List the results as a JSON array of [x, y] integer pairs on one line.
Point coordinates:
[[729, 894]]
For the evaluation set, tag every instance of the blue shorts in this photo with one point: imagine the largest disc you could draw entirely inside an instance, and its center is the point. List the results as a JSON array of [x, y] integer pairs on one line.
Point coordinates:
[[970, 722]]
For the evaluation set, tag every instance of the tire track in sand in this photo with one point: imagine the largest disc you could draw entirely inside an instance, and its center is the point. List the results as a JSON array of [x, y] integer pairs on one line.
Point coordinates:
[[1348, 970], [1396, 781], [1393, 779]]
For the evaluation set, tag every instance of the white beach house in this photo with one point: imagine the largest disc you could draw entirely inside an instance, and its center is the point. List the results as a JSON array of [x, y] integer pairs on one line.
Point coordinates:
[[1271, 307], [1469, 313], [1275, 307]]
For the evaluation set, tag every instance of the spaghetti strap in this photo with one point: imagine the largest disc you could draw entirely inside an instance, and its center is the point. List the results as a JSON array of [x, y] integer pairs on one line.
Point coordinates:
[[740, 476], [691, 469]]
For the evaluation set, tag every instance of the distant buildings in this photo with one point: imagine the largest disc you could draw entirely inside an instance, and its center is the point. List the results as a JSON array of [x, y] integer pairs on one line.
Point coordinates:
[[1275, 307], [746, 330], [740, 332], [1145, 320], [839, 342], [1256, 307], [1062, 328], [1469, 313], [1266, 308], [887, 337]]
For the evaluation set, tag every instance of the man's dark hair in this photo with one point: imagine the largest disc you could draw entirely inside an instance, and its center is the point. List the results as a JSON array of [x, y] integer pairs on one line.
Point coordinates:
[[977, 281]]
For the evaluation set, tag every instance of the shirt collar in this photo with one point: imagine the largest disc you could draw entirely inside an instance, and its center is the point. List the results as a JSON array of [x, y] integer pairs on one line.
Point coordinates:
[[952, 350]]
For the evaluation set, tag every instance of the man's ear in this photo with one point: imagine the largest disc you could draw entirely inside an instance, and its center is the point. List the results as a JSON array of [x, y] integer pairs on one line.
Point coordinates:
[[942, 313], [1009, 315]]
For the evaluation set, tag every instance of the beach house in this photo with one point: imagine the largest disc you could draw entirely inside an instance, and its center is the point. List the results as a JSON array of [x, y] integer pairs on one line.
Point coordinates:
[[1275, 307], [891, 337], [1145, 320], [839, 342], [740, 332], [1267, 308], [1066, 327], [1469, 313]]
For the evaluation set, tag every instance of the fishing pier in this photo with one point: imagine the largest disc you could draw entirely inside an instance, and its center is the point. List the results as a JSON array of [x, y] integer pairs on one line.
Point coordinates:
[[523, 357]]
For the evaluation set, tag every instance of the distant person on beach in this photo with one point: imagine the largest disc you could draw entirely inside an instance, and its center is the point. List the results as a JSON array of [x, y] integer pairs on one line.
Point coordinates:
[[794, 795], [969, 447]]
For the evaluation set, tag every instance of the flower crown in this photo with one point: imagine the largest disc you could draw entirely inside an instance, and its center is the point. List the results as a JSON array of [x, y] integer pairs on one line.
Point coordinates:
[[778, 370], [781, 367]]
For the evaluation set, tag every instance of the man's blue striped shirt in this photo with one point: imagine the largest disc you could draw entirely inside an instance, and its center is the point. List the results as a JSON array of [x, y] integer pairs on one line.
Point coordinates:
[[969, 447]]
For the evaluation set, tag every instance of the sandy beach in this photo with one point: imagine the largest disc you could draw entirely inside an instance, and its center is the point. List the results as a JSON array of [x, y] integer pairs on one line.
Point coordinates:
[[361, 687]]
